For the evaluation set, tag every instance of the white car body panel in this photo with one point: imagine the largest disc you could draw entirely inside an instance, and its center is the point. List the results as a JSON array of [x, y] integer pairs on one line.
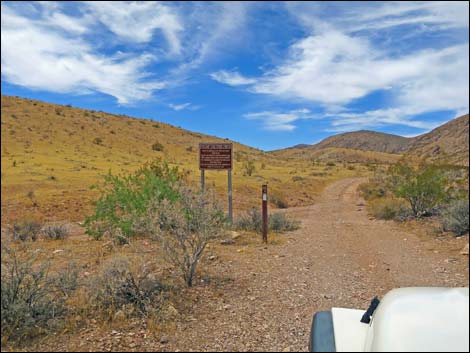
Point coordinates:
[[350, 333], [408, 320]]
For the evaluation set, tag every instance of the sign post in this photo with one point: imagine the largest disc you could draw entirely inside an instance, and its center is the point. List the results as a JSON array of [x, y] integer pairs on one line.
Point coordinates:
[[217, 156], [264, 197]]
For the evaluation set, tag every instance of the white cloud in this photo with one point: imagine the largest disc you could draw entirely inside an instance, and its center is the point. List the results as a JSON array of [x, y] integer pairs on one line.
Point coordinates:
[[137, 21], [184, 106], [275, 121], [37, 56], [232, 78]]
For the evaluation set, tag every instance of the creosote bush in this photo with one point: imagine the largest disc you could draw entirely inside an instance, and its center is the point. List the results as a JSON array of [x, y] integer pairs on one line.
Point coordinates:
[[387, 208], [122, 208], [424, 188]]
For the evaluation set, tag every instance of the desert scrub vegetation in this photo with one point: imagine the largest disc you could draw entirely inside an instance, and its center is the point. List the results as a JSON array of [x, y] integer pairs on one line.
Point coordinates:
[[157, 146], [56, 231], [123, 290], [25, 230], [455, 217], [406, 191], [155, 202], [122, 206], [32, 299], [278, 201], [277, 222], [184, 227], [248, 168]]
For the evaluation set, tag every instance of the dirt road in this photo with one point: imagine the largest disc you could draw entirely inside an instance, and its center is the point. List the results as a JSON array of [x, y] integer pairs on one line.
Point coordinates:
[[339, 257], [257, 298]]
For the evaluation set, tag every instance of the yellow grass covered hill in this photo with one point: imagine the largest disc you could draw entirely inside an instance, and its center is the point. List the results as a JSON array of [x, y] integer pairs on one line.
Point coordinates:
[[51, 155]]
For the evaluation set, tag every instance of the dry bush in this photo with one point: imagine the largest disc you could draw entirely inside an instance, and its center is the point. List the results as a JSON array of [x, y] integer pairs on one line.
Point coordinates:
[[134, 291], [277, 222], [387, 209], [278, 201], [25, 230], [185, 227], [455, 217], [33, 300], [55, 231]]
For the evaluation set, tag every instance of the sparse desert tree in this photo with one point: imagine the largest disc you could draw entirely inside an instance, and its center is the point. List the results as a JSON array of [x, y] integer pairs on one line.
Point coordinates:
[[185, 227], [423, 188]]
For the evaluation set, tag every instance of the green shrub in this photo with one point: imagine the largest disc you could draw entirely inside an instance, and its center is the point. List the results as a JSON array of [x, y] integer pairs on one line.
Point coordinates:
[[455, 217], [55, 231], [423, 188], [33, 301], [124, 200], [157, 146], [25, 230]]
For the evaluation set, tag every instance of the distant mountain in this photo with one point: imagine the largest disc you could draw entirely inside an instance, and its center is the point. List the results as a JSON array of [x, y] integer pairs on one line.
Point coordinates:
[[365, 140], [447, 143]]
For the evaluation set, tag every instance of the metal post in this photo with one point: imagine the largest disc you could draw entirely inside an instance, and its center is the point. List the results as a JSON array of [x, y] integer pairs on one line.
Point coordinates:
[[230, 211], [202, 180], [265, 212]]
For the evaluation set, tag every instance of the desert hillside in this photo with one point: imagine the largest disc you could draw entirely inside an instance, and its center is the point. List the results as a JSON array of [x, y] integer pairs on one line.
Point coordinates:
[[366, 141], [447, 143], [51, 155]]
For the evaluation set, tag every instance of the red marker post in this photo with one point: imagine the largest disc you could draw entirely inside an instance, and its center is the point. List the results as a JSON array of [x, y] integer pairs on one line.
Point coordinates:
[[264, 197]]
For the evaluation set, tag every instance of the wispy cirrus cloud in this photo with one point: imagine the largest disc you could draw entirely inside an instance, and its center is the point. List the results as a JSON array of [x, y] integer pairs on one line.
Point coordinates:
[[184, 106], [333, 66], [232, 78], [280, 121]]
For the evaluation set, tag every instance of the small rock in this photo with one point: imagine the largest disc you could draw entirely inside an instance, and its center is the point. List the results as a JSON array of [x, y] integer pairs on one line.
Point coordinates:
[[328, 296], [119, 315], [212, 258], [164, 340], [227, 242], [464, 250], [57, 251], [235, 235]]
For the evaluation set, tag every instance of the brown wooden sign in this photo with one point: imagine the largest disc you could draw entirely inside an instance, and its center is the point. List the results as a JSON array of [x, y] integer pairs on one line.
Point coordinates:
[[215, 156]]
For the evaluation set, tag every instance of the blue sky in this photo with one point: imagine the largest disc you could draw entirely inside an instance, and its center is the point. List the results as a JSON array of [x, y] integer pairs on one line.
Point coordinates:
[[267, 74]]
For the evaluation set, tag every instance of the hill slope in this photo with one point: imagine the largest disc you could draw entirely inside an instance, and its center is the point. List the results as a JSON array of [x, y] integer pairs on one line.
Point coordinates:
[[51, 154], [447, 143], [365, 140]]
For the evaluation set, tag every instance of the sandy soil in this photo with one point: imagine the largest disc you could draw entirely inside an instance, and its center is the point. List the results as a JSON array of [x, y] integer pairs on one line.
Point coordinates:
[[262, 298]]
